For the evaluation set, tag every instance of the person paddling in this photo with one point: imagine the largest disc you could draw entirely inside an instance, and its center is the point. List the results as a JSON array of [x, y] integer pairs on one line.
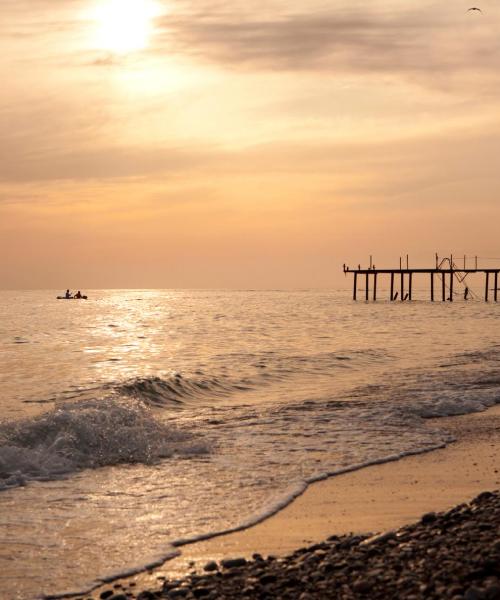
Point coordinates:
[[68, 294]]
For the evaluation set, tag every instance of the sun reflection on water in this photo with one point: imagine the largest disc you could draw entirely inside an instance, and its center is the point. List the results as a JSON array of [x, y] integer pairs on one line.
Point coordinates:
[[134, 334]]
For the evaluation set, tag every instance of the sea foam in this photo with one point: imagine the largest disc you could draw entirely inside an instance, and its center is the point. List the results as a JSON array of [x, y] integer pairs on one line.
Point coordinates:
[[85, 435]]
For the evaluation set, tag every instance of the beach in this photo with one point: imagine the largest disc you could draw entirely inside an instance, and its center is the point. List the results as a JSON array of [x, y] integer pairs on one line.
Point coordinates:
[[388, 501], [188, 427]]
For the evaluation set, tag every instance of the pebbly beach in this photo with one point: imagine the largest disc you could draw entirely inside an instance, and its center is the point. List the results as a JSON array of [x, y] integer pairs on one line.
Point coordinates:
[[375, 533], [454, 554]]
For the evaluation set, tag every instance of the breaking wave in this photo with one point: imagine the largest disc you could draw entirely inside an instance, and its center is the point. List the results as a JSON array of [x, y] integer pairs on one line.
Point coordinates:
[[453, 403], [155, 391], [87, 435], [250, 372]]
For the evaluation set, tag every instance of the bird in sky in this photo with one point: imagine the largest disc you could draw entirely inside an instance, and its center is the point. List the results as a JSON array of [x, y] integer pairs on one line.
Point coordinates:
[[474, 8]]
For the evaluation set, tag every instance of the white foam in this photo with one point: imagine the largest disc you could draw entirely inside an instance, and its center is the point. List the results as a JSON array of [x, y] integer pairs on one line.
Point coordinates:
[[297, 490], [121, 574], [272, 508], [456, 403], [88, 434]]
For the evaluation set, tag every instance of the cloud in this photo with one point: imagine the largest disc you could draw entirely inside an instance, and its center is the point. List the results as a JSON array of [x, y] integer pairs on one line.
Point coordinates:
[[109, 162], [63, 124], [11, 198], [426, 42], [30, 19], [352, 169]]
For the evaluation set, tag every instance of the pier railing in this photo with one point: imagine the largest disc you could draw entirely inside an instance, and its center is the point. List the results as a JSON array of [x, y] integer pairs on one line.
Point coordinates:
[[441, 279]]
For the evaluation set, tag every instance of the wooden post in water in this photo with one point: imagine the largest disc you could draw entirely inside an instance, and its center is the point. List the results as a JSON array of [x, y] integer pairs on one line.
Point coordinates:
[[492, 276]]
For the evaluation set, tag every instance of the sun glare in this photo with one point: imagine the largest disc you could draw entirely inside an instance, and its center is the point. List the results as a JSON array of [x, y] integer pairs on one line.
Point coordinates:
[[125, 25]]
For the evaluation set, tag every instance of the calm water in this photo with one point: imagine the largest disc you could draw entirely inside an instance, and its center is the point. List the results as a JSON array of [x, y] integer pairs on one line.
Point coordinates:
[[138, 418]]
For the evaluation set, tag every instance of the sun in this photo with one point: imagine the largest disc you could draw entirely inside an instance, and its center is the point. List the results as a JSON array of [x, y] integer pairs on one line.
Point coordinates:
[[124, 26]]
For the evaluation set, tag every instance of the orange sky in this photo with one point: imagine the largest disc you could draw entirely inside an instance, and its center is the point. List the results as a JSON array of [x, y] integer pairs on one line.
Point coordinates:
[[201, 143]]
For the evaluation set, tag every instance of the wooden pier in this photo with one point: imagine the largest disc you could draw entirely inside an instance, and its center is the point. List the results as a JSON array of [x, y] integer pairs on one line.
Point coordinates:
[[443, 279]]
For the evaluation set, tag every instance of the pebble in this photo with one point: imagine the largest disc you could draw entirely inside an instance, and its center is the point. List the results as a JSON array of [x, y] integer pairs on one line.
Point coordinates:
[[474, 593], [493, 591], [230, 563], [266, 579], [146, 595], [428, 518], [445, 556], [179, 592], [201, 592]]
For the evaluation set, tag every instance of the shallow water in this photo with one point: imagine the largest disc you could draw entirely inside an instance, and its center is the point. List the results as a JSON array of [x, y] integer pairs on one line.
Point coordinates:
[[139, 418]]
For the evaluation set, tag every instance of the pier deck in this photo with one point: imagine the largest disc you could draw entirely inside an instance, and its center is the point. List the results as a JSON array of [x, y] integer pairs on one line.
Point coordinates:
[[441, 276]]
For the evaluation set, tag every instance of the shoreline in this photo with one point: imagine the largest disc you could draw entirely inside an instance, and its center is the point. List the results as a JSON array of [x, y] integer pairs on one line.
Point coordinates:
[[374, 499], [453, 555]]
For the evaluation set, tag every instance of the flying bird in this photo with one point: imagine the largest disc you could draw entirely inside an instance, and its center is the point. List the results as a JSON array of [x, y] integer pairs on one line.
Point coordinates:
[[474, 8]]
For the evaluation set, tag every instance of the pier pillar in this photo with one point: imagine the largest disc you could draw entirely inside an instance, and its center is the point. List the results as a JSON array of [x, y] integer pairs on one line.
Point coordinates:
[[448, 288]]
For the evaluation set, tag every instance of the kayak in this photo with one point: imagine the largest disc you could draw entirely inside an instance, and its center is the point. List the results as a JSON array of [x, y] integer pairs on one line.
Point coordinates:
[[72, 298]]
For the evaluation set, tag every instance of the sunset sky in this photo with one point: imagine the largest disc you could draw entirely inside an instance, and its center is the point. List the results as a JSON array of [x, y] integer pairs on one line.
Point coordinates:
[[243, 144]]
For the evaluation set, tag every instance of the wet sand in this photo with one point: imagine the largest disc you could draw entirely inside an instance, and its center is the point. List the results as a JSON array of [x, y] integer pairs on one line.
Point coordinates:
[[375, 499], [452, 555]]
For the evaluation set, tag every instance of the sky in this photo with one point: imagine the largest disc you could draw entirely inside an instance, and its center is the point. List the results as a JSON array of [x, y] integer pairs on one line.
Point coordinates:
[[244, 144]]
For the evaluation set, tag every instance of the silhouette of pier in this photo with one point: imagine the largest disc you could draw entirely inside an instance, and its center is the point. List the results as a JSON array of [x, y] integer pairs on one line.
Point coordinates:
[[444, 279]]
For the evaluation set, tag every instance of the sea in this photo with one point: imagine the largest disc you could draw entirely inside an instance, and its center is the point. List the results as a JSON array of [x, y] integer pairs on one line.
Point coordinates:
[[138, 420]]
